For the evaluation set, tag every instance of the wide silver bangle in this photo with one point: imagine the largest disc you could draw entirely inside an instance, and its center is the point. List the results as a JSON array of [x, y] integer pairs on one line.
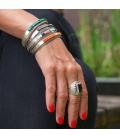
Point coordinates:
[[40, 44]]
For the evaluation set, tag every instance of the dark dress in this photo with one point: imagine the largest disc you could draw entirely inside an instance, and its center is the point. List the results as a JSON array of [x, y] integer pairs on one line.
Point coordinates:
[[22, 84]]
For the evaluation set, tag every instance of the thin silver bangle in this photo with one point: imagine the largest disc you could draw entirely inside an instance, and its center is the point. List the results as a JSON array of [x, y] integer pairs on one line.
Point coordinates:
[[36, 41], [41, 44]]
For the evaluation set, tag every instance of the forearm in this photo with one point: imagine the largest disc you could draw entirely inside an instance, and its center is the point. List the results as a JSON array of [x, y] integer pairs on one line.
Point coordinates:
[[15, 22]]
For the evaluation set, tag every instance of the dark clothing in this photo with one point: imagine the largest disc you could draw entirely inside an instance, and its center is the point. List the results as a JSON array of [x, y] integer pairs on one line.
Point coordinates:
[[22, 84]]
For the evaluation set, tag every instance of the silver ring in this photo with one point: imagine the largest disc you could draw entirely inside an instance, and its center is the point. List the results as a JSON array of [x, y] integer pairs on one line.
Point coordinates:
[[75, 88]]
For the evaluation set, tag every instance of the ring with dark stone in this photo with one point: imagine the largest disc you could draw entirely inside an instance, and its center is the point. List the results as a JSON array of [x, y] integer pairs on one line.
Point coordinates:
[[75, 88]]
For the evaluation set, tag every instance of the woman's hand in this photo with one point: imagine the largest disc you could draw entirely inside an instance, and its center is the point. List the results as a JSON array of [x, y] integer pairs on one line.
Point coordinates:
[[58, 66], [60, 70]]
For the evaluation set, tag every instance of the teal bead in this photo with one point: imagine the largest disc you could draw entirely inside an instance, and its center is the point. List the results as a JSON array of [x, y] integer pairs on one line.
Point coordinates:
[[36, 23], [52, 29]]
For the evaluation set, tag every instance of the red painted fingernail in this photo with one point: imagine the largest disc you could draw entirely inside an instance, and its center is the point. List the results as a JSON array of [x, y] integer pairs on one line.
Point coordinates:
[[84, 116], [73, 124], [51, 108], [60, 120]]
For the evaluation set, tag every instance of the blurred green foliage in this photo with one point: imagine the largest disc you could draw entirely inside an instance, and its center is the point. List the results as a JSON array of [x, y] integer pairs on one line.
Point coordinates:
[[99, 35]]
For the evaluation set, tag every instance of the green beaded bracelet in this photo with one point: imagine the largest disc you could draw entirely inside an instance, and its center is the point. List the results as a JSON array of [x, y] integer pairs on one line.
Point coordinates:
[[29, 31], [36, 23]]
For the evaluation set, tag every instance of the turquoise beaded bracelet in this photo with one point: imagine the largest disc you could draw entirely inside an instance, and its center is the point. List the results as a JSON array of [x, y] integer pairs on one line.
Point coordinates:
[[29, 31]]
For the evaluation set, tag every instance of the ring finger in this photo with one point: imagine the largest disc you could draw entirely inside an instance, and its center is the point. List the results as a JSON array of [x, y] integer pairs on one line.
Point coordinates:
[[74, 100]]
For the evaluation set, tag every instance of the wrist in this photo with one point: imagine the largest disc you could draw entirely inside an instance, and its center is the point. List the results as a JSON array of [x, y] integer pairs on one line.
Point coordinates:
[[39, 34]]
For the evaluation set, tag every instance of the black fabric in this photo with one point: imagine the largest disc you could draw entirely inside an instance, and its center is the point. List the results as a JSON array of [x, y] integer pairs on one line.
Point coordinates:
[[22, 84], [2, 42]]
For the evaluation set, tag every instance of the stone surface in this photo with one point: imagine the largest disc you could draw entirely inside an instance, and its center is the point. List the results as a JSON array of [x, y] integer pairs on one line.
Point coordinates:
[[108, 112]]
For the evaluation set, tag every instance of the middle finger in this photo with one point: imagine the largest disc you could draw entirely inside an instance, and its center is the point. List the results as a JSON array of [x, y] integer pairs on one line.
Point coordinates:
[[62, 94]]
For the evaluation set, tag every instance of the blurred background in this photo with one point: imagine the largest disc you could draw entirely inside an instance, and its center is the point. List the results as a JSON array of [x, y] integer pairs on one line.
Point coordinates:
[[99, 33]]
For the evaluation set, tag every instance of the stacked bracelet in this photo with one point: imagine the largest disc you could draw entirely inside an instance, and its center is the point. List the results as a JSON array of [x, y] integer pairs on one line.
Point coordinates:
[[46, 40], [30, 30], [39, 30], [39, 34], [42, 27]]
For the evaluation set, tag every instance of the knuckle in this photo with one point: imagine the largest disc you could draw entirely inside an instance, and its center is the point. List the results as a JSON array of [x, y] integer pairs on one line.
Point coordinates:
[[75, 100], [74, 113], [63, 96], [79, 68], [51, 68], [61, 68], [71, 69], [51, 89]]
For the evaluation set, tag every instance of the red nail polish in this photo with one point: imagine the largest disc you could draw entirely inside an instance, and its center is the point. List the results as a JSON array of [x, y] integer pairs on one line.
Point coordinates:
[[60, 120], [73, 124], [51, 108], [84, 116]]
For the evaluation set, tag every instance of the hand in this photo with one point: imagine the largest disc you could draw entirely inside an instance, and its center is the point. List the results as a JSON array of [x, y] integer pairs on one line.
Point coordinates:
[[60, 70]]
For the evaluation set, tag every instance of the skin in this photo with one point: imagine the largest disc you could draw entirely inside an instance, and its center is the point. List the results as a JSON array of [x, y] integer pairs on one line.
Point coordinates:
[[57, 64]]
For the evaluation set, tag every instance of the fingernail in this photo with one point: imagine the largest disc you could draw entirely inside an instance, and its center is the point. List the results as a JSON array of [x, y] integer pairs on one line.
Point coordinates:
[[84, 116], [73, 124], [60, 120], [51, 108]]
